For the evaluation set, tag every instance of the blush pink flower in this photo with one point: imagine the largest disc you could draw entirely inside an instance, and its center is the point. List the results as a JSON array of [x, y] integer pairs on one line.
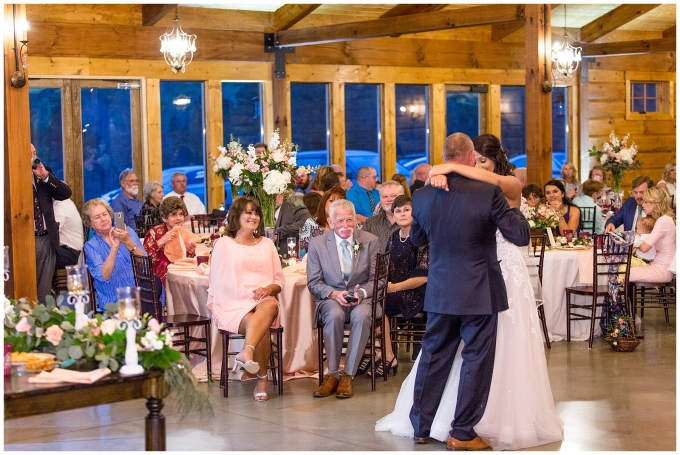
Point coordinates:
[[96, 331], [154, 326], [614, 335], [53, 334], [23, 325]]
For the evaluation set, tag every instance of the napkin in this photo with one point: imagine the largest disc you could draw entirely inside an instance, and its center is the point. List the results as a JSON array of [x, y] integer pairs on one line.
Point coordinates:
[[203, 269], [176, 248], [300, 267], [59, 375], [183, 264]]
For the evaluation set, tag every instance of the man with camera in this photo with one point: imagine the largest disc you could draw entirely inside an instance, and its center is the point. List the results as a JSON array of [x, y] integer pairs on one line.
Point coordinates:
[[46, 187]]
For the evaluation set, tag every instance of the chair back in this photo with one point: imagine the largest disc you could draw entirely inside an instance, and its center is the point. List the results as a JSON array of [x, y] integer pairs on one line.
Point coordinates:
[[537, 249], [611, 262], [142, 267], [587, 221], [382, 267], [201, 224], [90, 281]]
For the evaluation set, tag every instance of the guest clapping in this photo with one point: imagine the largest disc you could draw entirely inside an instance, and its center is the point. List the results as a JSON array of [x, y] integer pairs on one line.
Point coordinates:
[[107, 253], [245, 278], [557, 200]]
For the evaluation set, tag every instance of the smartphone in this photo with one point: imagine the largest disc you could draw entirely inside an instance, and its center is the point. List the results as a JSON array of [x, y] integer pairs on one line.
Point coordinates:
[[350, 299], [119, 220]]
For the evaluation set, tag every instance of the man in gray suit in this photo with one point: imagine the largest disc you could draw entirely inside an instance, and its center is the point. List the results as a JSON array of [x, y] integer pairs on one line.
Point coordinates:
[[341, 265]]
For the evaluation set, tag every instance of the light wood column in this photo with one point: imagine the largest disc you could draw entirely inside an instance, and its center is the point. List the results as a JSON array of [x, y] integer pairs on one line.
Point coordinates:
[[18, 193], [538, 103], [336, 123], [154, 144], [388, 131], [281, 108], [267, 110], [214, 136], [437, 120], [493, 110]]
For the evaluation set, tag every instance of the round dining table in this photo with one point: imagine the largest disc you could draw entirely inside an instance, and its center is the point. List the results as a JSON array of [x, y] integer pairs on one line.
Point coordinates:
[[187, 292]]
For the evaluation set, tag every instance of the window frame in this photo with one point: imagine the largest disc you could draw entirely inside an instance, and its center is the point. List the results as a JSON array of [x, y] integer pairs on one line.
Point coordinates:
[[665, 95]]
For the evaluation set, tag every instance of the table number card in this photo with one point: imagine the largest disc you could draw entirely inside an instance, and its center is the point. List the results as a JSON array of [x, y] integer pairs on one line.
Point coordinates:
[[550, 237]]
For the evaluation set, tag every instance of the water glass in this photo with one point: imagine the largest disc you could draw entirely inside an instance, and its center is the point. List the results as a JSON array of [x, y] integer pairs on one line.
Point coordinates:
[[292, 247], [569, 234], [129, 303]]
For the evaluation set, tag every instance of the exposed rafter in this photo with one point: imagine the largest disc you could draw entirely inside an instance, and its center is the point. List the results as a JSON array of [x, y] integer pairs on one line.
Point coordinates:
[[500, 31], [612, 20], [669, 32], [415, 23], [151, 14], [628, 47], [406, 10], [289, 15]]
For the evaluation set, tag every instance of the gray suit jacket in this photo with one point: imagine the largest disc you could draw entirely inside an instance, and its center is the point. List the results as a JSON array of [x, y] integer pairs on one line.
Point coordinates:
[[291, 219], [323, 265]]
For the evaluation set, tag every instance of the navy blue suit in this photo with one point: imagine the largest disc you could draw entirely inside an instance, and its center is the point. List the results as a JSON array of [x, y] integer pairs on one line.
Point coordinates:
[[625, 215], [465, 291]]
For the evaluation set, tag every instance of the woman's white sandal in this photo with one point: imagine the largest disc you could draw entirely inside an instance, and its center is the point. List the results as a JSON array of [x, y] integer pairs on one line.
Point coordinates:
[[250, 366], [261, 394]]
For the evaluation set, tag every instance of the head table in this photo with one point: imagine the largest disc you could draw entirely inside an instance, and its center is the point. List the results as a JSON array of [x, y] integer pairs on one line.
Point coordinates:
[[187, 292]]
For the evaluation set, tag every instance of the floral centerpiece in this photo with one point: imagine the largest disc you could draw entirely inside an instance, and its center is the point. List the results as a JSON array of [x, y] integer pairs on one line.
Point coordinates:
[[617, 157], [32, 326], [263, 175], [620, 334], [540, 217]]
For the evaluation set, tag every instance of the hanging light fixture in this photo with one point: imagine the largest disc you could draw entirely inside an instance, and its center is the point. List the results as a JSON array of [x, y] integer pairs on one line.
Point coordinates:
[[177, 47], [565, 57]]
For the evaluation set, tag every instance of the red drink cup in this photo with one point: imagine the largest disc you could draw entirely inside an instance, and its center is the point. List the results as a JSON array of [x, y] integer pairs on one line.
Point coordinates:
[[202, 259]]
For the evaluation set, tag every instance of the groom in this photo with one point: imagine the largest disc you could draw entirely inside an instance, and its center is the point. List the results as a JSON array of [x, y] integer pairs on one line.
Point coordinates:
[[465, 292]]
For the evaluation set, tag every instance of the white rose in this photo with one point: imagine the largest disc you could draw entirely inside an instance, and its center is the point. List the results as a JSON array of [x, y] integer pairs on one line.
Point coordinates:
[[292, 161], [274, 182], [109, 326], [215, 168], [278, 156], [532, 224], [222, 161], [235, 173], [626, 156]]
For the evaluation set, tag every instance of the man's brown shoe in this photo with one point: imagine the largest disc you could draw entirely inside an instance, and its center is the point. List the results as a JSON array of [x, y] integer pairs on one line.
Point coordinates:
[[421, 440], [327, 387], [474, 444], [345, 387]]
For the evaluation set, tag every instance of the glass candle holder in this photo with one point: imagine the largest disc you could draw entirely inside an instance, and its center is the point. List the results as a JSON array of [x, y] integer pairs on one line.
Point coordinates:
[[76, 279], [129, 303], [6, 274]]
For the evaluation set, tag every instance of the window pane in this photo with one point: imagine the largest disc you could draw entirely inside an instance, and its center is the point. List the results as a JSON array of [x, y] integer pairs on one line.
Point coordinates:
[[412, 132], [560, 128], [107, 140], [309, 123], [183, 133], [362, 128], [46, 135], [651, 90], [651, 105], [638, 90], [638, 105], [462, 113], [513, 124]]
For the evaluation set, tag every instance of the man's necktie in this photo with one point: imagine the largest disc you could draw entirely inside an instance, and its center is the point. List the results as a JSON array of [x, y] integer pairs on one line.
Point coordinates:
[[182, 197], [39, 222], [346, 261], [370, 200]]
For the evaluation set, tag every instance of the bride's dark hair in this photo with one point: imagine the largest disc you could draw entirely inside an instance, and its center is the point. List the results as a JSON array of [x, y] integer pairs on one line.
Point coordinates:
[[489, 146]]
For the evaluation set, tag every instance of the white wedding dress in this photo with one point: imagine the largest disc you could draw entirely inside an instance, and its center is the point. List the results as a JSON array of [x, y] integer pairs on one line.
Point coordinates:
[[520, 411]]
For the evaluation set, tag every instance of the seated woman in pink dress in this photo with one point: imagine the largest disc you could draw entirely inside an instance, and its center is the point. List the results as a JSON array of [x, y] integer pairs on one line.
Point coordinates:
[[656, 204], [245, 278]]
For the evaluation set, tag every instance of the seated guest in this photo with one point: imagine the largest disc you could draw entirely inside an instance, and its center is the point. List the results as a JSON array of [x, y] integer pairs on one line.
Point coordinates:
[[364, 194], [643, 229], [401, 180], [656, 205], [311, 201], [318, 181], [408, 269], [330, 285], [631, 210], [179, 188], [70, 232], [533, 194], [382, 225], [421, 174], [597, 173], [172, 212], [107, 253], [572, 185], [344, 181], [557, 200], [127, 202], [245, 278], [153, 196], [592, 190], [322, 184], [290, 218], [667, 182], [319, 224]]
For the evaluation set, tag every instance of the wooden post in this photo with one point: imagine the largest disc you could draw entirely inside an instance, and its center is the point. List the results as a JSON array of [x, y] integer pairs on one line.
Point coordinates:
[[388, 131], [584, 116], [493, 110], [336, 122], [18, 194], [214, 136], [153, 131], [437, 122], [281, 107], [538, 103]]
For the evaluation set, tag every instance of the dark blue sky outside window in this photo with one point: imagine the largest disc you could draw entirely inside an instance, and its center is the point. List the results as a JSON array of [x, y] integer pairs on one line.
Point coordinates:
[[462, 113], [242, 112], [309, 123], [513, 120], [412, 127], [362, 128], [46, 127]]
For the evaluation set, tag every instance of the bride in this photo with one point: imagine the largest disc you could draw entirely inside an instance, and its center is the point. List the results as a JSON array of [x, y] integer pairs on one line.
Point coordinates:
[[520, 411]]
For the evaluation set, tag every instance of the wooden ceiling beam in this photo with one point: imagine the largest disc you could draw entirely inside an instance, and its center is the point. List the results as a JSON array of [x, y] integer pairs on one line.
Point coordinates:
[[669, 32], [500, 31], [407, 10], [612, 20], [415, 23], [289, 15], [151, 14], [628, 47]]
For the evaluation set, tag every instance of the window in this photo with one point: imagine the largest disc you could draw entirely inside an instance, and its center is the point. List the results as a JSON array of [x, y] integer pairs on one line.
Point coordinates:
[[309, 123], [649, 95], [412, 132], [560, 127], [643, 97], [183, 133], [362, 128], [463, 111], [46, 127]]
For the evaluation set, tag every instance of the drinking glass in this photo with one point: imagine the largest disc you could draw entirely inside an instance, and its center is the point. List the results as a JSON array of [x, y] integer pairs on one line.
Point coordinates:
[[292, 247], [569, 234], [129, 303]]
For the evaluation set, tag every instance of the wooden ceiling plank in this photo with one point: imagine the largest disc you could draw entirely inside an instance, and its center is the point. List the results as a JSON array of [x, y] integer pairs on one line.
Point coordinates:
[[151, 14], [289, 15], [669, 32], [628, 47], [500, 31], [612, 20], [425, 22], [406, 10]]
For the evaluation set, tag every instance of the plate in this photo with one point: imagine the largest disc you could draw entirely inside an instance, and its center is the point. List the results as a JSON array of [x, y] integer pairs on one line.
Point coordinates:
[[43, 360]]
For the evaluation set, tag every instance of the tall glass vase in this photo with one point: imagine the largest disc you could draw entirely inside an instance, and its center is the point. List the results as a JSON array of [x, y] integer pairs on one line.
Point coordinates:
[[617, 177], [268, 203]]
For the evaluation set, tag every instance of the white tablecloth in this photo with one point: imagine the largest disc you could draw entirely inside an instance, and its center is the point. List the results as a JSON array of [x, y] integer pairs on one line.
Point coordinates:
[[187, 292]]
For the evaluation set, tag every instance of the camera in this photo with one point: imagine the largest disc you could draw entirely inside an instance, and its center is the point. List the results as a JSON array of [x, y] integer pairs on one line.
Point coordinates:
[[35, 162]]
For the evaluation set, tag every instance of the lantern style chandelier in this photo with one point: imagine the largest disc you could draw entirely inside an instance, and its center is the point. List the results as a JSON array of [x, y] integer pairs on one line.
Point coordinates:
[[565, 57], [177, 47]]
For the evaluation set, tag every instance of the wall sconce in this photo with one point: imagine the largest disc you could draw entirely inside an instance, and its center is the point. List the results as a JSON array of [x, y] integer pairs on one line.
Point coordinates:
[[18, 78], [177, 47]]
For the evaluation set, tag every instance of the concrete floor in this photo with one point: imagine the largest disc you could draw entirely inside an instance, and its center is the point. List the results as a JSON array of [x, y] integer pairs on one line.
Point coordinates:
[[609, 401]]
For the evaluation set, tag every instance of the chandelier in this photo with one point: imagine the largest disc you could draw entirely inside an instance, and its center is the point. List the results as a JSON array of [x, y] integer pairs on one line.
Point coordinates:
[[565, 57], [177, 47]]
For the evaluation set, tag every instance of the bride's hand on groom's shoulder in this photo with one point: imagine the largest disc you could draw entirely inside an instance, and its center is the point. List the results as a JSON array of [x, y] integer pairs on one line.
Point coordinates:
[[438, 181]]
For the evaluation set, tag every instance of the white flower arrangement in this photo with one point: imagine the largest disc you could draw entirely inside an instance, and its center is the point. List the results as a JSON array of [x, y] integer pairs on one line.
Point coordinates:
[[617, 156]]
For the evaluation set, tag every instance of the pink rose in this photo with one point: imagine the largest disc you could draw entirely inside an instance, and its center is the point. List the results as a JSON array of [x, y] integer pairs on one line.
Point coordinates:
[[101, 346], [53, 334], [614, 335], [154, 326], [23, 314], [96, 331], [23, 325], [620, 321]]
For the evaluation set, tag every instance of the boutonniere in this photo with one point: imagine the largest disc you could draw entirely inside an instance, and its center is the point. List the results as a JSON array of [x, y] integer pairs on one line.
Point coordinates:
[[356, 247]]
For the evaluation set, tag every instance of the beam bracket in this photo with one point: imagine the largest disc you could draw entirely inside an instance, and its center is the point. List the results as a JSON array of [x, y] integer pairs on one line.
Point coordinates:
[[279, 55]]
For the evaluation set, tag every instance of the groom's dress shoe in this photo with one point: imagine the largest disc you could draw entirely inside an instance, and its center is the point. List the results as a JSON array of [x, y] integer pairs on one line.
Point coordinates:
[[345, 387], [421, 439], [474, 444], [327, 387]]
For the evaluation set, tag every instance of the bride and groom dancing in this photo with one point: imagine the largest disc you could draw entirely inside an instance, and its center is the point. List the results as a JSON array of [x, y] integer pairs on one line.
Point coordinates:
[[481, 377]]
